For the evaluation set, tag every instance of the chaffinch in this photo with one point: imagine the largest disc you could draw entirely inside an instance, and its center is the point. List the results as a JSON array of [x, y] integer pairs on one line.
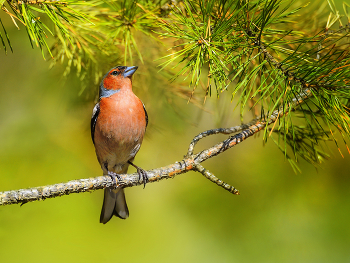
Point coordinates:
[[118, 124]]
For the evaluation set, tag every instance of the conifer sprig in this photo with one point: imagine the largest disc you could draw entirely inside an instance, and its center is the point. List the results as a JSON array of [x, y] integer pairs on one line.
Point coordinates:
[[38, 17], [251, 54]]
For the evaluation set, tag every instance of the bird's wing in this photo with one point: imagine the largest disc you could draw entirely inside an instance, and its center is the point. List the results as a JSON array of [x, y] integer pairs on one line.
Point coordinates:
[[95, 113], [145, 114]]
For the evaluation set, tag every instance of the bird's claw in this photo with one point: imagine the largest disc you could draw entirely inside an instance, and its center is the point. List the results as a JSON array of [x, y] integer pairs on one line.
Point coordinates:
[[114, 176], [142, 174]]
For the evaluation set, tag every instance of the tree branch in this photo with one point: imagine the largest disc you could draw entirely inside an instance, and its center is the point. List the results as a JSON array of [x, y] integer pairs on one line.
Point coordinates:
[[190, 162]]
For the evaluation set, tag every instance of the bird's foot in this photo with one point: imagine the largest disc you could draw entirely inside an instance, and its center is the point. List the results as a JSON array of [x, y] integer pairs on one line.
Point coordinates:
[[114, 176], [142, 174]]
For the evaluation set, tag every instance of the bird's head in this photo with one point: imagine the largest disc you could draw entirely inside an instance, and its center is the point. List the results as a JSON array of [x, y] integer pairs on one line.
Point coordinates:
[[116, 79]]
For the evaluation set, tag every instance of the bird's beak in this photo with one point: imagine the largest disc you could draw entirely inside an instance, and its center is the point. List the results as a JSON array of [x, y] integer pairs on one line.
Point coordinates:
[[129, 71]]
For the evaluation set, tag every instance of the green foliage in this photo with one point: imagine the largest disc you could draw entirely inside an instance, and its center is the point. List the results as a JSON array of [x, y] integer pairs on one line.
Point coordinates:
[[129, 17], [88, 35], [27, 13]]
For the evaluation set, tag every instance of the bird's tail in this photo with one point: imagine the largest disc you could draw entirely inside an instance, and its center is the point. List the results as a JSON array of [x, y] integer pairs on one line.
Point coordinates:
[[114, 203]]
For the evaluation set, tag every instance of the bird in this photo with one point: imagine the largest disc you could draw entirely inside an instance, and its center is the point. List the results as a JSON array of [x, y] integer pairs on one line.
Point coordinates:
[[118, 125]]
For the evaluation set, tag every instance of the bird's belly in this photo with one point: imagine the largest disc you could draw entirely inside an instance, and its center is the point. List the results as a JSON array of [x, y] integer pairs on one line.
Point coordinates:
[[115, 148]]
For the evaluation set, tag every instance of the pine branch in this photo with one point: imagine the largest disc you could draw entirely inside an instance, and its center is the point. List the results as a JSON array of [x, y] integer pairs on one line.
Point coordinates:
[[191, 162]]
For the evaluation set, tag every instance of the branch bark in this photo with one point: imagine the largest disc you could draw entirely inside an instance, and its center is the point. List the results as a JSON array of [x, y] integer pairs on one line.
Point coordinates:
[[191, 162]]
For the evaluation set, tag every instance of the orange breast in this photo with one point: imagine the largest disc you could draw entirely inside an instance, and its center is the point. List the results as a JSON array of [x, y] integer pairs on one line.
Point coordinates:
[[119, 129]]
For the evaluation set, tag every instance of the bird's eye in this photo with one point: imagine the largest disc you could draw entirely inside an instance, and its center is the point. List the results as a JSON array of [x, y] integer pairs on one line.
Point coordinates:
[[114, 73]]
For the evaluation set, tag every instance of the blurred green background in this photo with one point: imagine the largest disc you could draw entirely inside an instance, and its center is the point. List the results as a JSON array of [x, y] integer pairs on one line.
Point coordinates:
[[45, 139]]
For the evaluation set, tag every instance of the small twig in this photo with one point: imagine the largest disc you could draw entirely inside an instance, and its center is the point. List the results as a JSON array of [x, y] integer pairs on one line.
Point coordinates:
[[212, 132], [216, 180]]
